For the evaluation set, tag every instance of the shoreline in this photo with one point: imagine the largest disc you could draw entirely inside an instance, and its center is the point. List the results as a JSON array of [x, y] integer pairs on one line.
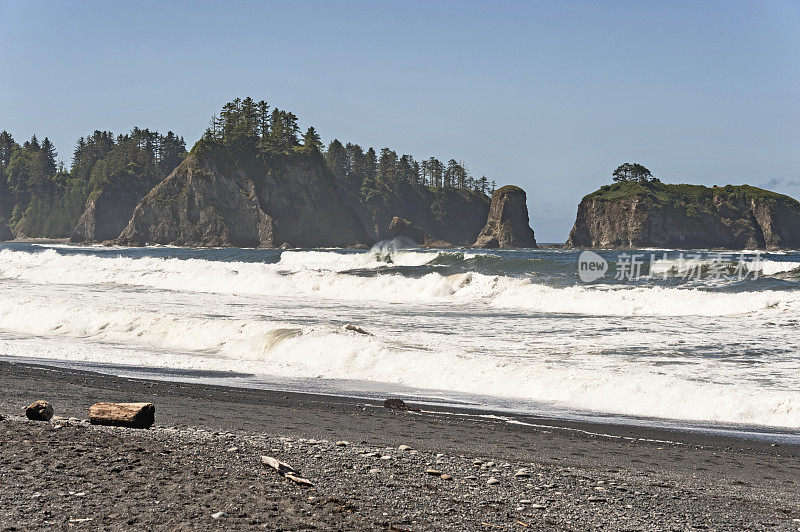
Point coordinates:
[[598, 424], [647, 478]]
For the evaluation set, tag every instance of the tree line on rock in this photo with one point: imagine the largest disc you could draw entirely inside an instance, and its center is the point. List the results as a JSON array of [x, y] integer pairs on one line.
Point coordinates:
[[247, 127], [41, 198]]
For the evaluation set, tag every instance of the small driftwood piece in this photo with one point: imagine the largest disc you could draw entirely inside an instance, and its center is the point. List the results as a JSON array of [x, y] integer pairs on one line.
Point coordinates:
[[286, 471], [132, 415], [359, 330], [398, 404]]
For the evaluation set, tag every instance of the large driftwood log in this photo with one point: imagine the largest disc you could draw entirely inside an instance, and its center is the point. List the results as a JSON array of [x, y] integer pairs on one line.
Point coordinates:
[[133, 415]]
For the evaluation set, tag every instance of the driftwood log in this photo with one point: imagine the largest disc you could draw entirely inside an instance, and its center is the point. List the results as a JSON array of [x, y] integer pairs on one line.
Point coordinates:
[[133, 415], [398, 404], [286, 471]]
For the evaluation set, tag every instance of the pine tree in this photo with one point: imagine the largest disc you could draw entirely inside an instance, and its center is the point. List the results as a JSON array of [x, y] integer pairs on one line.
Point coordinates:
[[263, 119], [48, 157], [7, 146], [312, 141], [336, 160]]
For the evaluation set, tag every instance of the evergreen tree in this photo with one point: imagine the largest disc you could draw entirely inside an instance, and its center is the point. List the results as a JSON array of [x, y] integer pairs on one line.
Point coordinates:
[[336, 159], [436, 169], [312, 141], [7, 146], [388, 166], [371, 164], [263, 119]]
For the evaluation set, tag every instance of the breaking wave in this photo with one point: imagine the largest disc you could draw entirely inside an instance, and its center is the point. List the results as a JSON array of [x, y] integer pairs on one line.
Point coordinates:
[[334, 353], [289, 278]]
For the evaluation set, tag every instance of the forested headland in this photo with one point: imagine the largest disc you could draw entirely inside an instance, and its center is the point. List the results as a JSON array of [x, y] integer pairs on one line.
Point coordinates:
[[42, 196]]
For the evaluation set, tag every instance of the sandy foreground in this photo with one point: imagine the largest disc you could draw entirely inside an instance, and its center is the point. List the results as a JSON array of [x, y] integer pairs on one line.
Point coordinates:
[[200, 466]]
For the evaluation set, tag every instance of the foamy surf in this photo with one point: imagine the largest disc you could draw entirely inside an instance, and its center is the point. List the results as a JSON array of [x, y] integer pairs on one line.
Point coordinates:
[[289, 277], [651, 350]]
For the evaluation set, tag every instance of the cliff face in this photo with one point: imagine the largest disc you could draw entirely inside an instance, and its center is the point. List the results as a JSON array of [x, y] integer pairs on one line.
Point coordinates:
[[400, 227], [205, 203], [108, 212], [5, 232], [633, 215], [507, 225], [445, 215]]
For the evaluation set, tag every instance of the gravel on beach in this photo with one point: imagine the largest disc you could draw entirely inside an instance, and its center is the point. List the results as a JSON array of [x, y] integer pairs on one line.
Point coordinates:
[[380, 470]]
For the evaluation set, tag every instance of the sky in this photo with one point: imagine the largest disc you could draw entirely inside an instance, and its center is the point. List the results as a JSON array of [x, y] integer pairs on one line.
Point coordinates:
[[550, 96]]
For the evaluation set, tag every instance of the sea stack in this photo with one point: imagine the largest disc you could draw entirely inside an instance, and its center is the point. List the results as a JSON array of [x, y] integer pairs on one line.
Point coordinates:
[[637, 215], [508, 225]]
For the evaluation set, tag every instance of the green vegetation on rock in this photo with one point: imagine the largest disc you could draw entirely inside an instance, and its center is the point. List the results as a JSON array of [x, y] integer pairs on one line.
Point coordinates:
[[40, 198]]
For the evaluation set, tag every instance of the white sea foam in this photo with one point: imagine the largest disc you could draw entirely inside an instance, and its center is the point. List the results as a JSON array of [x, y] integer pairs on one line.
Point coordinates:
[[196, 275], [339, 262], [645, 351], [771, 267], [604, 384]]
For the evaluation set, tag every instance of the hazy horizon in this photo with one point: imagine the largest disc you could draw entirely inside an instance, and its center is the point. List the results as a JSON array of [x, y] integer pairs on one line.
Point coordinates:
[[544, 95]]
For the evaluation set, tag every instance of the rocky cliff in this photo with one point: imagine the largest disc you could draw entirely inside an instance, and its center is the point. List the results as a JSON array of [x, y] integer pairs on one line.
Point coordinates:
[[211, 202], [108, 211], [507, 225], [402, 228], [5, 232], [635, 215], [445, 215]]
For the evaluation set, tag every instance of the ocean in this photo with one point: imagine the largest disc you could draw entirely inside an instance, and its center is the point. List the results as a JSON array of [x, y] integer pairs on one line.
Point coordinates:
[[702, 339]]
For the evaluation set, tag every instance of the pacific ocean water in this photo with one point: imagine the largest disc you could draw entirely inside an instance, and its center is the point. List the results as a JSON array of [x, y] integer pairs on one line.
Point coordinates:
[[694, 338]]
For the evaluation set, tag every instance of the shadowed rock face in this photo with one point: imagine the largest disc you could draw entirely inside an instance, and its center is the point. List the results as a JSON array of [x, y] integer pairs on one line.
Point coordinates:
[[508, 225], [5, 232], [108, 213], [400, 227], [444, 214], [203, 204], [686, 217]]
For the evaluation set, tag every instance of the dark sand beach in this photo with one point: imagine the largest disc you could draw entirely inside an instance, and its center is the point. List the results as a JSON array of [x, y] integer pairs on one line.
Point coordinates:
[[202, 457]]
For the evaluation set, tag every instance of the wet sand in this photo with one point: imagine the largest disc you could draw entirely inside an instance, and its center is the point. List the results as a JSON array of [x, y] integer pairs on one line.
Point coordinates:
[[203, 457]]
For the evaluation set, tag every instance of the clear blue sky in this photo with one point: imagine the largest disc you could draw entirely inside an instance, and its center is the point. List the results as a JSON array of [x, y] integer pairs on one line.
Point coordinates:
[[547, 95]]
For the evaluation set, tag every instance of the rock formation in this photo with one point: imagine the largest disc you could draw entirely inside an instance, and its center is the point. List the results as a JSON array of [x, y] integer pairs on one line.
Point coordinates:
[[108, 212], [507, 225], [39, 411], [635, 215], [400, 227], [206, 202], [5, 232], [444, 214]]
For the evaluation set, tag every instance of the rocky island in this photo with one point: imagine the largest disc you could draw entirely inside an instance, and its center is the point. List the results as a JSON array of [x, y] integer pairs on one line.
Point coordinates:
[[637, 214]]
